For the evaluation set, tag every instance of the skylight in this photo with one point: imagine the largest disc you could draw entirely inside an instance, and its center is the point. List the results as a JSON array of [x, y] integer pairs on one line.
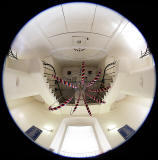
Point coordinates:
[[79, 141]]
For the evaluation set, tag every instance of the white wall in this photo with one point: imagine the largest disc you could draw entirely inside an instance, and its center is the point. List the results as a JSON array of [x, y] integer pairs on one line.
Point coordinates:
[[18, 84], [27, 112], [139, 83], [21, 65], [51, 60], [31, 42], [128, 43], [131, 111]]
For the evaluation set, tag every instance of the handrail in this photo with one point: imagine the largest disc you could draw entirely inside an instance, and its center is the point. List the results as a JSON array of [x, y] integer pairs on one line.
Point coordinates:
[[108, 65], [11, 54], [105, 69], [47, 64], [48, 68]]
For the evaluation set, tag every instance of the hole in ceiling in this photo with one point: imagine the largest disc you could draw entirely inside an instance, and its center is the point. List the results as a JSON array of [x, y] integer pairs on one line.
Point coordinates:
[[68, 72]]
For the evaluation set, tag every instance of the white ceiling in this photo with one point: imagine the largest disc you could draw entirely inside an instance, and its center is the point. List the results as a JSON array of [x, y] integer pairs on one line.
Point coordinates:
[[51, 21], [106, 21], [78, 16], [101, 31], [57, 30]]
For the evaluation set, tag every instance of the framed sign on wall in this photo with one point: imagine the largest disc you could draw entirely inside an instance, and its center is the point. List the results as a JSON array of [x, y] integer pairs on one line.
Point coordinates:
[[33, 133], [126, 132]]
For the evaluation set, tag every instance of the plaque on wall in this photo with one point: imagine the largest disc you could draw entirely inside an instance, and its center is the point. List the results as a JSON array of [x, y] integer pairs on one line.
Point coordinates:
[[33, 133], [126, 132]]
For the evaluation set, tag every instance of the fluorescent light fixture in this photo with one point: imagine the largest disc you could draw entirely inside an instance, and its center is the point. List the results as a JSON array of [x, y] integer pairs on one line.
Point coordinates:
[[21, 115]]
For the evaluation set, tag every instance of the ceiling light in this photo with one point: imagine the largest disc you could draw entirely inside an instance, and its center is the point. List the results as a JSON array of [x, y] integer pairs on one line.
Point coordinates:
[[48, 128], [111, 127]]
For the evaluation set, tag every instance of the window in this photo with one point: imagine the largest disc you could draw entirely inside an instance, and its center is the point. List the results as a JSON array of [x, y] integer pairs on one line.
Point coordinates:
[[79, 141], [71, 137]]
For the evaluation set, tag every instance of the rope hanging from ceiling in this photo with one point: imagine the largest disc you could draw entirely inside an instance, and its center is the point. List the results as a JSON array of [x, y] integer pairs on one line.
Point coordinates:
[[82, 87], [99, 90], [62, 105], [88, 110], [94, 98], [66, 83], [95, 79], [83, 73], [78, 100]]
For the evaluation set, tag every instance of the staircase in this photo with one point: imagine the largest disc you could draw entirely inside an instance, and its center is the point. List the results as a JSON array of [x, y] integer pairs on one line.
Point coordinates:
[[52, 85], [110, 78], [107, 78]]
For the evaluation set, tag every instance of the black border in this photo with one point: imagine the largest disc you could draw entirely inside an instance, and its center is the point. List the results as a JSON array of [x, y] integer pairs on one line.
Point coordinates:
[[14, 15]]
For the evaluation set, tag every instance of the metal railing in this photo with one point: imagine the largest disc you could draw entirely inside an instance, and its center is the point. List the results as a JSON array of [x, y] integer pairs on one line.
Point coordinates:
[[113, 64], [107, 68], [107, 77], [46, 66]]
